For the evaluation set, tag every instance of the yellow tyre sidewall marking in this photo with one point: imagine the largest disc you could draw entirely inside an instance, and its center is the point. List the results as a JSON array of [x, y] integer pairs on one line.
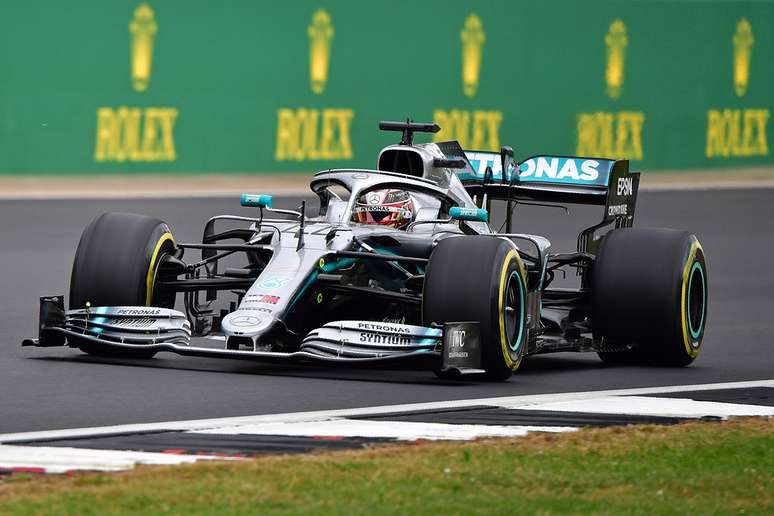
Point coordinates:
[[512, 364], [152, 267], [695, 247]]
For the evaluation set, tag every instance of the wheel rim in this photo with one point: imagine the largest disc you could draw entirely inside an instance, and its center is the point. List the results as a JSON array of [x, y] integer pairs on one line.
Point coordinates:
[[153, 266], [514, 311], [697, 298]]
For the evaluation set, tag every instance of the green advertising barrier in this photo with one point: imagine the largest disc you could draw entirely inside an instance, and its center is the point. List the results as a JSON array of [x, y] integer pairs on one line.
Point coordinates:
[[245, 86]]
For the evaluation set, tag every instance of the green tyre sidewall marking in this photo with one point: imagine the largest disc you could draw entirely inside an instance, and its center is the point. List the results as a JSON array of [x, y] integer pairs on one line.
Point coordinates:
[[516, 347], [696, 267]]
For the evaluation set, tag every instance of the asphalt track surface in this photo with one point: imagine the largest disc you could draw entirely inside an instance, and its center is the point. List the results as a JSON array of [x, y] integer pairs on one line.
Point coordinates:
[[42, 389]]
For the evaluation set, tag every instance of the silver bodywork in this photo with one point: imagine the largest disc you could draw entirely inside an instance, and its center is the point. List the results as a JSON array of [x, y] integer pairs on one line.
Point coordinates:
[[302, 249], [282, 313], [291, 270]]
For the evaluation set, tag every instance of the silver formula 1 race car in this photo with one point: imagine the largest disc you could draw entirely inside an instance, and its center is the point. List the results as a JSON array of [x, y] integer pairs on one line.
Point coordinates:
[[398, 264]]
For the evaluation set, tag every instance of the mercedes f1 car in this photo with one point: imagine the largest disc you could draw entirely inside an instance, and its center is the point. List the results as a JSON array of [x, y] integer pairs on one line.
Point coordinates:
[[398, 264]]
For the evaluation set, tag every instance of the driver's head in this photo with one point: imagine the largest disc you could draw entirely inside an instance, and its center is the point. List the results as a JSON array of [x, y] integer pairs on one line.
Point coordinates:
[[389, 207]]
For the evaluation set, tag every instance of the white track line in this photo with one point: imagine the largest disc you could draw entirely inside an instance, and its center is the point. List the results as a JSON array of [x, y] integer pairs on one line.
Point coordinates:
[[654, 406], [51, 459], [401, 430], [509, 402]]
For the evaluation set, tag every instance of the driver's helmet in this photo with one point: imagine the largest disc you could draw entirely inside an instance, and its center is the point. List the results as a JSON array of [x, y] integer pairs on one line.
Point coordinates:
[[389, 207]]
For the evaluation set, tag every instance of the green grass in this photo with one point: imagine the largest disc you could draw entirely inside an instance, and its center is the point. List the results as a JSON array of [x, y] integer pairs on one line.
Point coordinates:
[[696, 468]]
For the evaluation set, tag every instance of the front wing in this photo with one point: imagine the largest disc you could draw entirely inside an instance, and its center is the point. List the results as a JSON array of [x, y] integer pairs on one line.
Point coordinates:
[[133, 328]]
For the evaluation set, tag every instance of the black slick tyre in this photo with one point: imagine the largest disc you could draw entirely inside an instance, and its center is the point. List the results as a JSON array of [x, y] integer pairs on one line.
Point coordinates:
[[482, 279], [116, 264], [649, 289]]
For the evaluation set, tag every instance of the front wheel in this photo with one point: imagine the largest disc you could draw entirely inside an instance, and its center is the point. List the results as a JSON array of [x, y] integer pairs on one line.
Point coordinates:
[[116, 264], [480, 279]]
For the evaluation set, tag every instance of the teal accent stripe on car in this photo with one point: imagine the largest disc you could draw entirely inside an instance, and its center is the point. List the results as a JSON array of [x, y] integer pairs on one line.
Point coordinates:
[[338, 264], [433, 335], [99, 320], [327, 268], [309, 282]]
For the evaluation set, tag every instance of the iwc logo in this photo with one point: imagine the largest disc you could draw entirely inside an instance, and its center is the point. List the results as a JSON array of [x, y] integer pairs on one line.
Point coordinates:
[[616, 42], [473, 39], [143, 30], [458, 338], [743, 42]]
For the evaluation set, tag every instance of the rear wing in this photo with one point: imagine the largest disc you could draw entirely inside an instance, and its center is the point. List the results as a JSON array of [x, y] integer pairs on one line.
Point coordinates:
[[558, 179], [551, 179]]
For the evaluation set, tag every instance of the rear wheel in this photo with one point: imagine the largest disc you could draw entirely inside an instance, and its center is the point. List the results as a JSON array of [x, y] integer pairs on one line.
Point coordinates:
[[481, 279], [650, 296], [116, 264]]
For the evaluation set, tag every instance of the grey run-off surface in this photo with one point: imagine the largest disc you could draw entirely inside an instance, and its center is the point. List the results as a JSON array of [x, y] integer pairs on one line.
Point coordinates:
[[60, 388]]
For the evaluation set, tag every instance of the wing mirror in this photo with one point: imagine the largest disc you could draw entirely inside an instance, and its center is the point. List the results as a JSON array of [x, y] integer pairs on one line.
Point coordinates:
[[456, 213], [255, 201], [469, 214]]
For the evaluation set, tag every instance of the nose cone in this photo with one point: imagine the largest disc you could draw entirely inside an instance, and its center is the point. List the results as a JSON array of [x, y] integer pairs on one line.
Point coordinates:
[[245, 323]]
